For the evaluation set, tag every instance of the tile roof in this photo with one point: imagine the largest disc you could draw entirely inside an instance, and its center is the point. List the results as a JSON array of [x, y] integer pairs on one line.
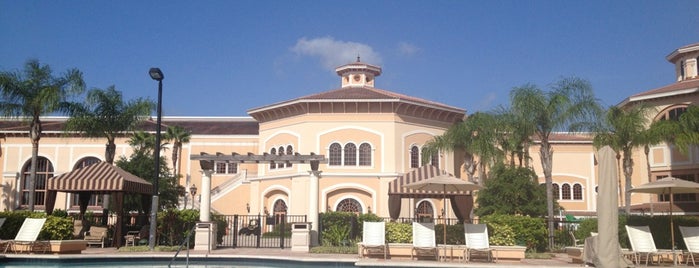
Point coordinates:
[[678, 88], [360, 93], [197, 125]]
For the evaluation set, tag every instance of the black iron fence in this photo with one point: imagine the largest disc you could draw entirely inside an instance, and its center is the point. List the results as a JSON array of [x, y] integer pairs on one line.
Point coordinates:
[[259, 231]]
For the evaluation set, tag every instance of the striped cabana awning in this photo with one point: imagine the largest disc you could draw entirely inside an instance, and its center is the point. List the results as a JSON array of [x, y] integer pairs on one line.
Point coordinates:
[[461, 202], [101, 178], [395, 187]]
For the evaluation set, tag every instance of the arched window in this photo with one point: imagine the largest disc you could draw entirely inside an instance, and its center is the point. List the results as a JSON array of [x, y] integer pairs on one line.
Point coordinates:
[[279, 211], [281, 164], [577, 191], [556, 192], [414, 157], [96, 199], [434, 160], [272, 165], [335, 155], [289, 151], [424, 212], [350, 154], [565, 191], [44, 171], [349, 205], [672, 113], [365, 154]]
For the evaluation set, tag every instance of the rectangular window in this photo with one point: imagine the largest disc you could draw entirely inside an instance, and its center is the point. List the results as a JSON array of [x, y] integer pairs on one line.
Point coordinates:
[[226, 168]]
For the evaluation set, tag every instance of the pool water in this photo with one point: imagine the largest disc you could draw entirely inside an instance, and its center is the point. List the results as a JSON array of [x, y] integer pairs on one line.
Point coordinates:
[[163, 263]]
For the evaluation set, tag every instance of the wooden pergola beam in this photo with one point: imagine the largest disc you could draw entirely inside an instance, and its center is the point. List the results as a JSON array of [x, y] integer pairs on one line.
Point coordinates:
[[264, 158]]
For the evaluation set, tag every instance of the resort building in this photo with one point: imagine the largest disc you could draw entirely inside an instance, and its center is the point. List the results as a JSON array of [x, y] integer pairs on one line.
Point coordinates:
[[370, 138]]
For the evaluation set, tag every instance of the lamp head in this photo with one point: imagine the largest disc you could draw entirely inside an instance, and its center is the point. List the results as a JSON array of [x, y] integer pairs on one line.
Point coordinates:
[[156, 74], [193, 189]]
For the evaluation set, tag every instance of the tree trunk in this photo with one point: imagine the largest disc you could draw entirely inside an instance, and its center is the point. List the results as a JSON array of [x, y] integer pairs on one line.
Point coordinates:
[[469, 166], [35, 135], [546, 162], [110, 152], [628, 170]]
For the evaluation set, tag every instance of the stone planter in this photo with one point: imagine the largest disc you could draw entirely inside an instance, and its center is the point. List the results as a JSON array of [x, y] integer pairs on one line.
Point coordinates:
[[67, 246], [455, 252], [52, 246], [509, 253]]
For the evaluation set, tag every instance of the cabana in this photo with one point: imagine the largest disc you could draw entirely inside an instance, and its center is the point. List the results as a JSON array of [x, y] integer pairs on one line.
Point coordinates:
[[461, 201], [100, 178]]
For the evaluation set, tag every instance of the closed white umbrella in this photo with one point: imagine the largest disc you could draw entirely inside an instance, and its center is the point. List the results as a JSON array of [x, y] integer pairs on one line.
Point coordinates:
[[443, 183], [607, 211]]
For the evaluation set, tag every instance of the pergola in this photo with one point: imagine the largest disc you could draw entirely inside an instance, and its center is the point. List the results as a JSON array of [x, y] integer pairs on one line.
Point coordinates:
[[99, 178], [206, 161]]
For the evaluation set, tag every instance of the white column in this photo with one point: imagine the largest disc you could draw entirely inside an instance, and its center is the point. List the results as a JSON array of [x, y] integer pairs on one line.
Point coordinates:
[[313, 205], [205, 233], [205, 204]]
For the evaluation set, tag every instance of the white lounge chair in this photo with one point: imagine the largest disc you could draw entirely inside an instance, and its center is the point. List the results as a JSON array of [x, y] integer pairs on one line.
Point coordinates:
[[476, 240], [690, 235], [423, 240], [27, 235], [642, 244], [374, 237]]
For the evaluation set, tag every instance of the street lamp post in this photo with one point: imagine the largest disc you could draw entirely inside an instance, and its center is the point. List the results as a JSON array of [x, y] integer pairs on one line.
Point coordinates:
[[193, 191], [157, 75]]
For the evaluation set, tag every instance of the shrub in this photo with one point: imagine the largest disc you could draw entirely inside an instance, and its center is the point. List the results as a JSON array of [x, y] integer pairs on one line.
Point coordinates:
[[399, 232], [343, 220], [174, 226], [455, 234], [529, 232], [336, 235], [57, 228], [501, 235]]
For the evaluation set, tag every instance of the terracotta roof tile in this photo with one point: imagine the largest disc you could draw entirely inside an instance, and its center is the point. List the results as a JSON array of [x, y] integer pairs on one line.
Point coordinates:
[[198, 126], [667, 90], [362, 93]]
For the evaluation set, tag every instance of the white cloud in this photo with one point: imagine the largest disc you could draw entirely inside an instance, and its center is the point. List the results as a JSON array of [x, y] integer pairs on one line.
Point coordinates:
[[333, 53], [407, 48]]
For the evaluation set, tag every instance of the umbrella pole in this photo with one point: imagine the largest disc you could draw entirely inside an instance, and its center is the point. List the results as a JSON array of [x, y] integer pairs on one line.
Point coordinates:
[[444, 214], [672, 230]]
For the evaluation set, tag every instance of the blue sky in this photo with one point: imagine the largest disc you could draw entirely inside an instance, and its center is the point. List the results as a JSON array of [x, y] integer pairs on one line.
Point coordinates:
[[222, 58]]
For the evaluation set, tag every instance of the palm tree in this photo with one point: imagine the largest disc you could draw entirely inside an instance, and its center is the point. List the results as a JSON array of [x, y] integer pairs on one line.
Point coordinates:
[[105, 115], [33, 93], [688, 129], [475, 137], [178, 135], [144, 142], [570, 105], [623, 131]]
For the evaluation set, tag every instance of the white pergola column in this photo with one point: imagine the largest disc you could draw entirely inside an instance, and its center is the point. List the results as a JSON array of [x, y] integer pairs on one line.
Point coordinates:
[[205, 203], [205, 236], [313, 205]]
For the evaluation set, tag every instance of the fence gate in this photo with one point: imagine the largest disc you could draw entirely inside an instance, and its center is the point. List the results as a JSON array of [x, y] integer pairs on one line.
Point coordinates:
[[259, 231]]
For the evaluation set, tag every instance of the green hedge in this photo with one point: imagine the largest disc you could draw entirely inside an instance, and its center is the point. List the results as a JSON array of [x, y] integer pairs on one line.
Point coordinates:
[[55, 228], [659, 227], [528, 231]]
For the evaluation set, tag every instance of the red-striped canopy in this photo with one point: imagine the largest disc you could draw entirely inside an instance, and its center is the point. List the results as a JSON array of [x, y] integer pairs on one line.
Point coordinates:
[[99, 177]]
